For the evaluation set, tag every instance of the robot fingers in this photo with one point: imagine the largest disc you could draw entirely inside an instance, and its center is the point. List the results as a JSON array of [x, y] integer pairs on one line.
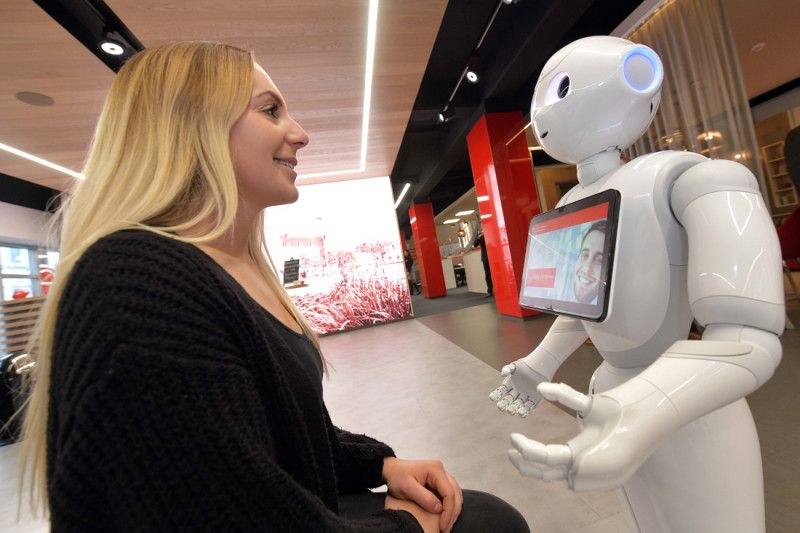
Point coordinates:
[[508, 369], [566, 396], [499, 393], [549, 462], [547, 454], [521, 407], [507, 402]]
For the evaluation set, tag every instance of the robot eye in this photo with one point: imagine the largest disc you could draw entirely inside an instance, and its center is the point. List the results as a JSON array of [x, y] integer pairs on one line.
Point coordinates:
[[558, 88], [563, 87]]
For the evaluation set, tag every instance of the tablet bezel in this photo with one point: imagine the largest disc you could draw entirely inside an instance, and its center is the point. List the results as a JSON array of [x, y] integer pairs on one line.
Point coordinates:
[[597, 311]]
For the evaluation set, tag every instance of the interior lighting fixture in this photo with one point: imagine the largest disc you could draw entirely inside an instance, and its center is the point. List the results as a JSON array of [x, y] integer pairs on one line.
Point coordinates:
[[465, 213], [451, 221], [112, 48], [402, 194], [709, 135], [483, 198], [445, 115], [36, 99], [486, 216], [371, 38], [469, 71], [41, 161]]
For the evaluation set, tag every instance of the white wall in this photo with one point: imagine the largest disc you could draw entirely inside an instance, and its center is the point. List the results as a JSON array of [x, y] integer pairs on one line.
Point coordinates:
[[22, 225]]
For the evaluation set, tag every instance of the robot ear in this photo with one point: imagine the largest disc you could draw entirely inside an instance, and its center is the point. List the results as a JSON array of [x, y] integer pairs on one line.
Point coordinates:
[[642, 70]]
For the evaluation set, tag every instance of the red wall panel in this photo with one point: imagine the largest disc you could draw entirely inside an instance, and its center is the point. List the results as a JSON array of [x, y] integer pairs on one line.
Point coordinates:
[[502, 169], [427, 247]]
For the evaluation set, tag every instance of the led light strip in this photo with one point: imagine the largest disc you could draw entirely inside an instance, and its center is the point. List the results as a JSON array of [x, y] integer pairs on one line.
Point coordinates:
[[402, 194], [371, 36], [41, 161]]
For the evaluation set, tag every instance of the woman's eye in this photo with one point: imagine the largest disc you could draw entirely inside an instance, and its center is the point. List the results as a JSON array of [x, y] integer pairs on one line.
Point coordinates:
[[270, 110]]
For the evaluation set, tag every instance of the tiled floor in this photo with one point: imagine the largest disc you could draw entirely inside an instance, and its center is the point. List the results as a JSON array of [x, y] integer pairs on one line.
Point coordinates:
[[422, 386]]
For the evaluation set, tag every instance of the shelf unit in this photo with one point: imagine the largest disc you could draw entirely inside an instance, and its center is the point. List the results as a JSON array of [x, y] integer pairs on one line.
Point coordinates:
[[17, 318], [783, 194]]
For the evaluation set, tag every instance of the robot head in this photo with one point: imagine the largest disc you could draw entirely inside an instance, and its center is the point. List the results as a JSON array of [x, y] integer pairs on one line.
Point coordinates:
[[595, 95]]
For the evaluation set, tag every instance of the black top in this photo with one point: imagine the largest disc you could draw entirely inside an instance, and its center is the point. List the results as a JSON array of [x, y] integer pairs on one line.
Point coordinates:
[[302, 348], [177, 404]]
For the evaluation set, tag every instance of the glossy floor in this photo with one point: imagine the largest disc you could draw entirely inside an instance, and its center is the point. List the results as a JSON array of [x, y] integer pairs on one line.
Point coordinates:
[[422, 385]]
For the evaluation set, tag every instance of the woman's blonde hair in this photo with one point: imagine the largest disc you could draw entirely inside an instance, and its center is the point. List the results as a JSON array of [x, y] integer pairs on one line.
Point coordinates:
[[159, 161]]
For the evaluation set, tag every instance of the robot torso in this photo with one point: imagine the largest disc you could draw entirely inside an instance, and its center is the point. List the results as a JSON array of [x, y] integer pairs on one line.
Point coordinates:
[[649, 306]]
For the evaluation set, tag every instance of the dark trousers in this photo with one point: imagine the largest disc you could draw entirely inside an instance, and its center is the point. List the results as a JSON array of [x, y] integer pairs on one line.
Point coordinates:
[[489, 286], [480, 513]]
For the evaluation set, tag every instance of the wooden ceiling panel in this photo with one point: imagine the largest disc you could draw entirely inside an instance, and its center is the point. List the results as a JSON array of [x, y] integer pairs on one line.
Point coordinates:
[[315, 51], [38, 55]]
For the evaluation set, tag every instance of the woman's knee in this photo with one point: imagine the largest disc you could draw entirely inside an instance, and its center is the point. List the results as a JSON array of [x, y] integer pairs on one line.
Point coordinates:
[[485, 512]]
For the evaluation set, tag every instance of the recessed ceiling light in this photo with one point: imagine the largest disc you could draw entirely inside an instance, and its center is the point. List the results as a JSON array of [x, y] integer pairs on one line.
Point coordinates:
[[112, 48], [451, 221], [472, 76], [34, 98], [465, 213]]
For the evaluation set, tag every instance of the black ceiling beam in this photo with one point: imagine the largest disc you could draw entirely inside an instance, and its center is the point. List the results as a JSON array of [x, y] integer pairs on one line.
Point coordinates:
[[774, 93], [91, 22], [522, 38], [533, 36], [27, 194], [514, 38]]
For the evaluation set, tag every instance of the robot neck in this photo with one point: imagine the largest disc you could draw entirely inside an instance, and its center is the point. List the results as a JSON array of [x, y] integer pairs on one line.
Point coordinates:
[[593, 168]]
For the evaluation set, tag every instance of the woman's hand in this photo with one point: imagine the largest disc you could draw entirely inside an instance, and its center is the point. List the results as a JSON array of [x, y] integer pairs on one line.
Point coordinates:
[[427, 484]]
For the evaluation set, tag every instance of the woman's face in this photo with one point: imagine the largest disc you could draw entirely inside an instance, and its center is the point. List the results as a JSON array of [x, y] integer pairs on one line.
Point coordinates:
[[264, 142]]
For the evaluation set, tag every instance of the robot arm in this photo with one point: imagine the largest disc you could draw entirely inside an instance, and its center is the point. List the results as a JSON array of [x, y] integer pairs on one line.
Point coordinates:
[[518, 394], [735, 290]]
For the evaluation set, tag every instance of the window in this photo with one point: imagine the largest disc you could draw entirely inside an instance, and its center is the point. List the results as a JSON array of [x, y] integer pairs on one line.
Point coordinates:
[[25, 271]]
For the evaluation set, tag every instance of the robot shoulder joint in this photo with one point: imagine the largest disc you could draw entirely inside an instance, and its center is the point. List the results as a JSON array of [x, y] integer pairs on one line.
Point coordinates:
[[708, 177]]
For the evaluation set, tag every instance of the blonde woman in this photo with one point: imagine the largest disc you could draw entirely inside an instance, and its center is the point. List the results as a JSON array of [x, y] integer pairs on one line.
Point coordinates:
[[177, 386]]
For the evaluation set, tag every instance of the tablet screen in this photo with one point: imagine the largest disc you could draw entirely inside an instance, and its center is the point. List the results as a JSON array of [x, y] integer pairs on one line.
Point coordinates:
[[569, 258]]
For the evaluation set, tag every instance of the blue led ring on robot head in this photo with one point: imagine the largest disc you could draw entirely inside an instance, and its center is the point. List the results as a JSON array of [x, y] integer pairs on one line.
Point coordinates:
[[642, 70]]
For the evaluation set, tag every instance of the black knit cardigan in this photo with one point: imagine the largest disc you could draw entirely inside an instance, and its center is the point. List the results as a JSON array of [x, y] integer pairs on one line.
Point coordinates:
[[175, 405]]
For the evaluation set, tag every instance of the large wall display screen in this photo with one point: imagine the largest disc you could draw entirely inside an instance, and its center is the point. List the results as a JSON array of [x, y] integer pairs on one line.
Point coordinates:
[[342, 244], [569, 258]]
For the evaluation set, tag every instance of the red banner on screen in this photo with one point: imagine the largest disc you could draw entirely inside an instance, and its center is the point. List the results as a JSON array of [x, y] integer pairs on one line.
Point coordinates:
[[590, 214], [541, 277]]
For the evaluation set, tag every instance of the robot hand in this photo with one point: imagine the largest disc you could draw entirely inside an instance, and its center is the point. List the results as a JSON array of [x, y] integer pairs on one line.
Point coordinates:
[[517, 395], [614, 442]]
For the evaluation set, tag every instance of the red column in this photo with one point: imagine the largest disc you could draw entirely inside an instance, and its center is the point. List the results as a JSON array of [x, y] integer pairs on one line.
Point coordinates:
[[426, 244], [501, 166]]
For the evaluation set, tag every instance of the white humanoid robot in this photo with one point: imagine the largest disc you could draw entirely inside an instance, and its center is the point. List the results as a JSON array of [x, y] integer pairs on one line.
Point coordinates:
[[665, 420]]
